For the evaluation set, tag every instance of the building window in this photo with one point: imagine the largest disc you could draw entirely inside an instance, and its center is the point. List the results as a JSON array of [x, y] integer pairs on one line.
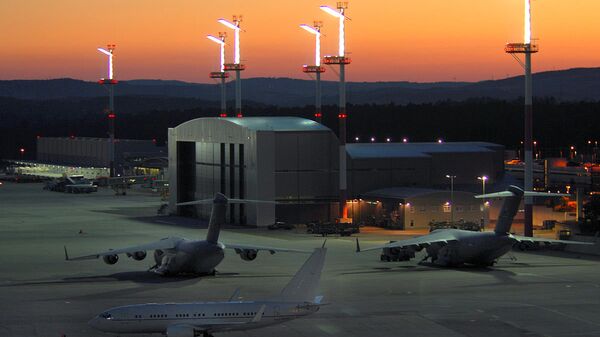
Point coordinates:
[[446, 208]]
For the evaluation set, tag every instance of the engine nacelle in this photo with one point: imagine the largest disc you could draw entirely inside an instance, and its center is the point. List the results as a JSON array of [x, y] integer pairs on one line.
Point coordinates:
[[110, 259], [180, 331], [138, 256], [247, 254]]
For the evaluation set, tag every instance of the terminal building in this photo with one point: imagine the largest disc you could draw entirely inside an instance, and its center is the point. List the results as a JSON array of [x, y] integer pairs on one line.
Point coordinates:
[[294, 161], [94, 152]]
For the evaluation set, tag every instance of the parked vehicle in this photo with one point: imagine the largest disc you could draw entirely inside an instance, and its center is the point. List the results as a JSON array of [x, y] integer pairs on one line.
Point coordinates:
[[281, 225]]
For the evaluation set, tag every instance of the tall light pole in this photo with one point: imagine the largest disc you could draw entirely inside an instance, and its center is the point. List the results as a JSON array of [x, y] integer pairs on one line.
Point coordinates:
[[451, 177], [316, 68], [342, 60], [236, 65], [109, 83], [483, 179], [221, 74], [527, 48]]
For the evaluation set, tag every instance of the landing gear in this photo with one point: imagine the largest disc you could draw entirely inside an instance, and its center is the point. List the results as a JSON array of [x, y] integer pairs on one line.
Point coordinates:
[[207, 334]]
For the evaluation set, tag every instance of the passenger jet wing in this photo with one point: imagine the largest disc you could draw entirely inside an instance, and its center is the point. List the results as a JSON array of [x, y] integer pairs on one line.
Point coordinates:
[[544, 240], [271, 250], [166, 243], [442, 237]]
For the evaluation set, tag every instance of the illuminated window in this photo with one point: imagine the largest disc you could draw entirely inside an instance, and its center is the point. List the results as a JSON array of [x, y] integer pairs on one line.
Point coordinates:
[[446, 208]]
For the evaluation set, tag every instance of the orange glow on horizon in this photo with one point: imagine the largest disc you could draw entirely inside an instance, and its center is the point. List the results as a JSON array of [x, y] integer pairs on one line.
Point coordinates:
[[388, 40]]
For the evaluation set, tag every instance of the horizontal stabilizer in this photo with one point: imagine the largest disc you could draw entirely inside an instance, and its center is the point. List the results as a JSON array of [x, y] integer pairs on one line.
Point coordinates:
[[250, 201], [225, 200], [506, 194]]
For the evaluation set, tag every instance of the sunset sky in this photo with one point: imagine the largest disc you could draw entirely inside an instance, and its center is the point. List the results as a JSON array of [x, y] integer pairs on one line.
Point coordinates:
[[388, 40]]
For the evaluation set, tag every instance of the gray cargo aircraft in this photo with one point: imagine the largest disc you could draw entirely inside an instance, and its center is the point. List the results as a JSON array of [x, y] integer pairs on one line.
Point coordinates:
[[296, 300], [175, 255], [453, 247]]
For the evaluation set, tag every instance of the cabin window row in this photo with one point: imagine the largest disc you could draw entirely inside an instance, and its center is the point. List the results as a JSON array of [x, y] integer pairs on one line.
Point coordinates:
[[229, 314]]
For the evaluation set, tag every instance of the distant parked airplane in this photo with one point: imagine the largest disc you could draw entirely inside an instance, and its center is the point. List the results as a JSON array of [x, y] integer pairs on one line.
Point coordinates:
[[453, 247], [297, 299], [175, 255]]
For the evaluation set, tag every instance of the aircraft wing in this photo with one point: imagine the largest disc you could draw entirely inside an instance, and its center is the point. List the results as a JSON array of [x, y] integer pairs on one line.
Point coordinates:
[[544, 240], [271, 250], [441, 237], [166, 243]]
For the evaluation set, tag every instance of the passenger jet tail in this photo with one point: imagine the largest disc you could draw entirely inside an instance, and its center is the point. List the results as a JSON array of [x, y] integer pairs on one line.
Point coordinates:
[[303, 286]]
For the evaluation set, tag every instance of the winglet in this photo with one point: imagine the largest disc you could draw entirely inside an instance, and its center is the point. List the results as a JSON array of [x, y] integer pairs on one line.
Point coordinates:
[[259, 314], [66, 254], [357, 246], [318, 299]]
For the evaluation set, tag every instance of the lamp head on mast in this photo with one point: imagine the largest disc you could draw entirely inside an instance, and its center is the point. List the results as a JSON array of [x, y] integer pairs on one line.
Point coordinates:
[[109, 52]]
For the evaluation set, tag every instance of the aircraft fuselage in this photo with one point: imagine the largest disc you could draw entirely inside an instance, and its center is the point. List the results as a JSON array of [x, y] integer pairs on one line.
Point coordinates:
[[207, 316], [478, 248]]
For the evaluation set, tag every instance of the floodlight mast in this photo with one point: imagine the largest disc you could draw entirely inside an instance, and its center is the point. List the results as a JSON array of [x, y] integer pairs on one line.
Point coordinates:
[[222, 75], [317, 69], [342, 60], [527, 48], [236, 65], [110, 113]]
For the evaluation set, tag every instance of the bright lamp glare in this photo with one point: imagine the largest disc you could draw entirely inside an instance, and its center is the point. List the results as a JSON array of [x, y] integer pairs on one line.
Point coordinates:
[[215, 39], [309, 29], [104, 51], [332, 11], [228, 24]]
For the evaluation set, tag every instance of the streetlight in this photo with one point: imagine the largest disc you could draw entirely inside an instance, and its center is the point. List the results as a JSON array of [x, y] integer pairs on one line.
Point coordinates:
[[451, 177], [483, 180]]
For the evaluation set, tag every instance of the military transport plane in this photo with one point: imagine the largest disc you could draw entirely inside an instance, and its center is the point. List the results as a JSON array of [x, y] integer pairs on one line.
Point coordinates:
[[174, 255], [453, 247], [297, 299]]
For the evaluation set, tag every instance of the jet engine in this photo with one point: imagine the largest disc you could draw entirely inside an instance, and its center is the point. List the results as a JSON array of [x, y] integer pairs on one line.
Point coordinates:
[[247, 254], [138, 256], [180, 331], [110, 259]]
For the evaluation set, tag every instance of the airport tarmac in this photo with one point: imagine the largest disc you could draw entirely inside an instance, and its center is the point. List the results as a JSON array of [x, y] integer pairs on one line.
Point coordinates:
[[41, 294]]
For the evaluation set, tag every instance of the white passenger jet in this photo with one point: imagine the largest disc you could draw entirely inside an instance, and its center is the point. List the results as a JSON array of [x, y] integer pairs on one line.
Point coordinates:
[[297, 299]]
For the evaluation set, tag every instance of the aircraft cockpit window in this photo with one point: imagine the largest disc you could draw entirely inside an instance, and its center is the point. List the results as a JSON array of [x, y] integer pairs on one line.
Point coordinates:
[[106, 315]]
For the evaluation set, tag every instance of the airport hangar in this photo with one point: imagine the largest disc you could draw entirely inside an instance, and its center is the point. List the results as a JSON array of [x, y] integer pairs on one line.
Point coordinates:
[[295, 162]]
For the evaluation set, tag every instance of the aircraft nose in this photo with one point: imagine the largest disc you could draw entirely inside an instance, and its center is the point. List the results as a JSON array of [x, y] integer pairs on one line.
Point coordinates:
[[95, 323]]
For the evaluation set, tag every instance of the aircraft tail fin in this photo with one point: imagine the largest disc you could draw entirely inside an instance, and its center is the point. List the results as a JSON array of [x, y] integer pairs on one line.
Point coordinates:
[[219, 209], [303, 286], [512, 200], [509, 209], [217, 218]]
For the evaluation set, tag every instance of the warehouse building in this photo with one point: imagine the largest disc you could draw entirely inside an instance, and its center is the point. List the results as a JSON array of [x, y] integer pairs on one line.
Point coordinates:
[[294, 161], [416, 208]]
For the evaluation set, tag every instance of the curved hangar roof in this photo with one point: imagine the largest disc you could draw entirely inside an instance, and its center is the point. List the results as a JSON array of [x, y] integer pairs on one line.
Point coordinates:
[[277, 123], [263, 123]]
